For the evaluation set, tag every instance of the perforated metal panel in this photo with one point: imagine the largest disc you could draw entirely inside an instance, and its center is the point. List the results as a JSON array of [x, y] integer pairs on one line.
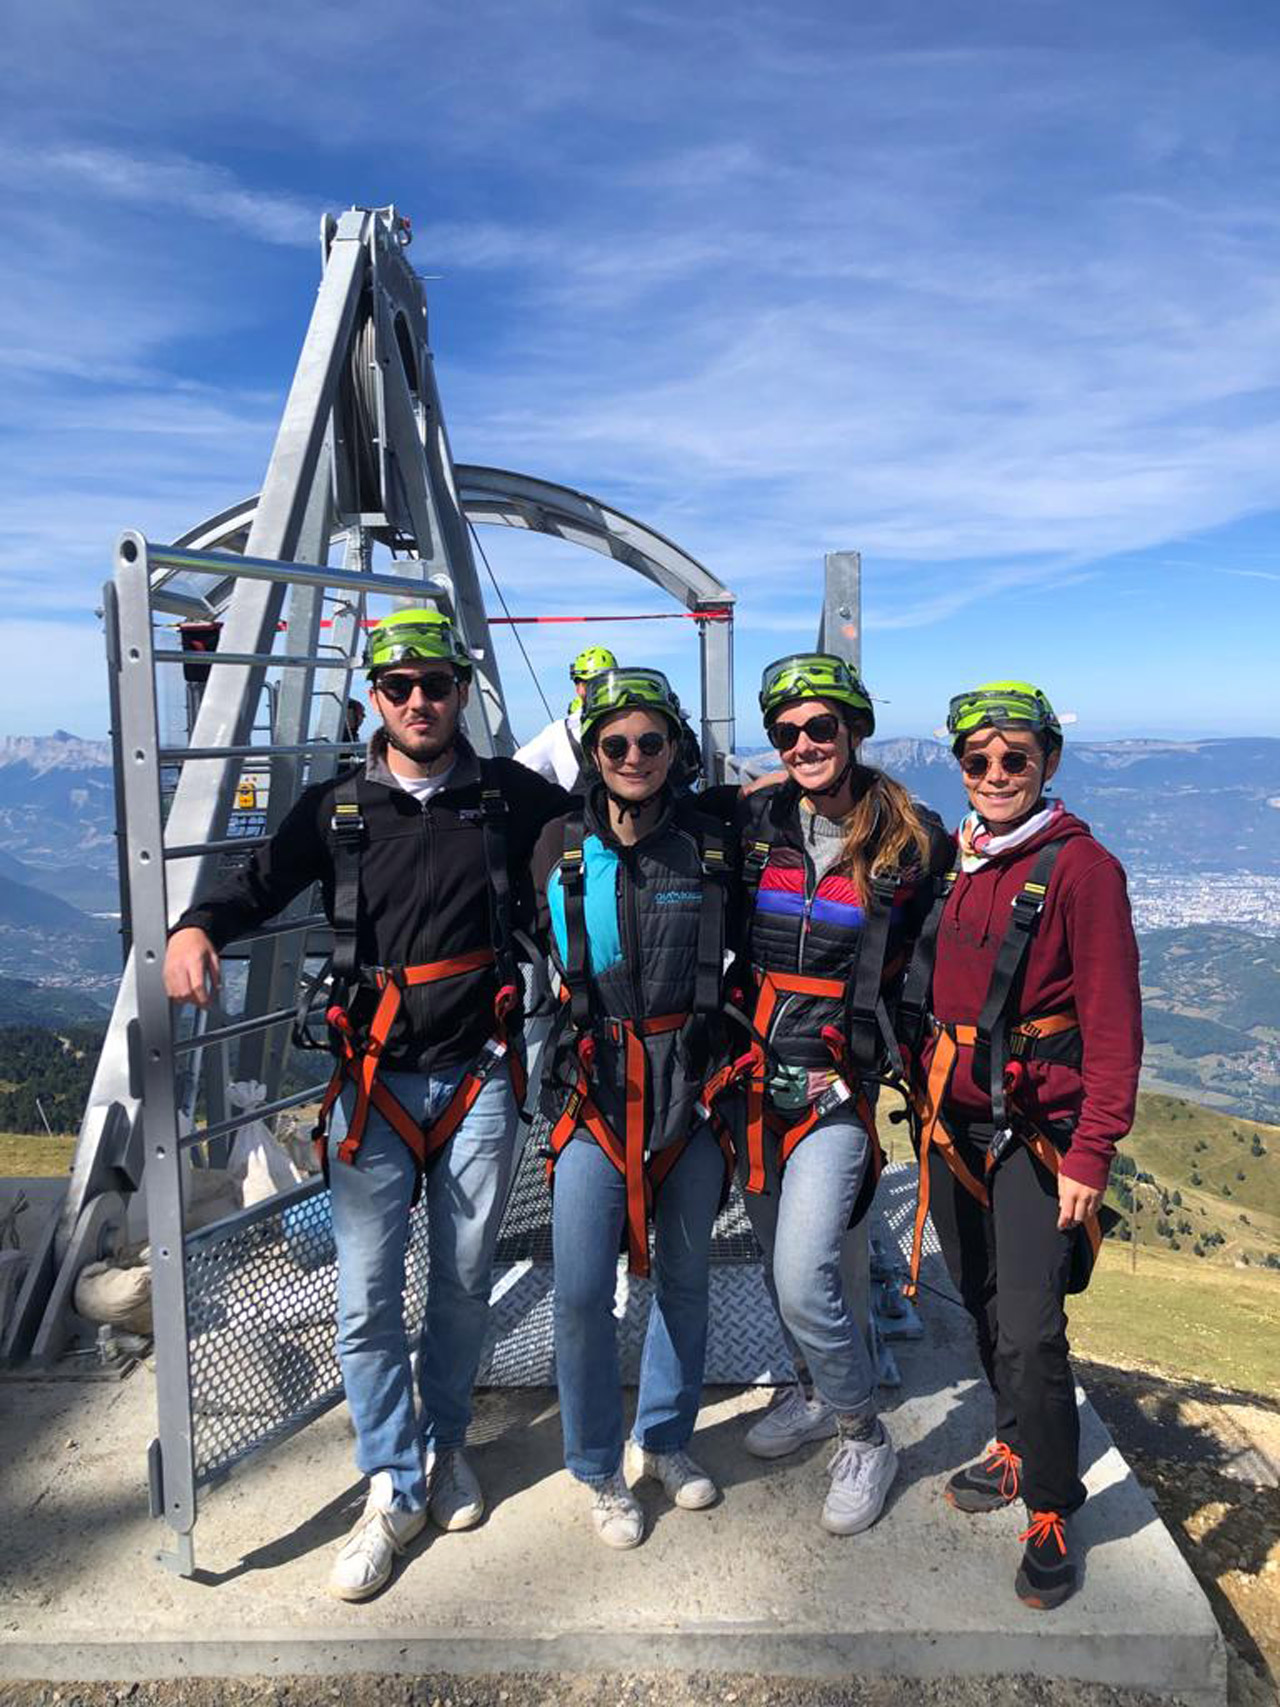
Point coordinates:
[[262, 1290], [261, 1307]]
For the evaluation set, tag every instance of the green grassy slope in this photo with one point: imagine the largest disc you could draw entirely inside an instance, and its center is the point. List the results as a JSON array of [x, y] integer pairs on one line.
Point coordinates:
[[1225, 1171], [1199, 1320]]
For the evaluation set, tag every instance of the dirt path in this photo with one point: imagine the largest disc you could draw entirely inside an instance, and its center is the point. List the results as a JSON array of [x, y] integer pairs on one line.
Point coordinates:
[[1211, 1462]]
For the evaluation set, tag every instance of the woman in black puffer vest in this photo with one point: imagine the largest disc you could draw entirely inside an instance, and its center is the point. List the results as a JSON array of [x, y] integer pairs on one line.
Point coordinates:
[[632, 896]]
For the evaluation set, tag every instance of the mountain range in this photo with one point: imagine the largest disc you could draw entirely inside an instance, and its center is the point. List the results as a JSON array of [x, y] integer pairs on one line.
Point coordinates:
[[1195, 807], [1160, 806]]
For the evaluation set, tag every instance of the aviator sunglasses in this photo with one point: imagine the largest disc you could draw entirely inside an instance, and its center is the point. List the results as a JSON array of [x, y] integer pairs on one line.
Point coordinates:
[[616, 747], [824, 727], [1012, 763], [436, 687]]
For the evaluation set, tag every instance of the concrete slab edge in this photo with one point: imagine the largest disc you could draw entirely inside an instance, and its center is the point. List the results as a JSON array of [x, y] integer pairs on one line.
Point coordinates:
[[1190, 1668]]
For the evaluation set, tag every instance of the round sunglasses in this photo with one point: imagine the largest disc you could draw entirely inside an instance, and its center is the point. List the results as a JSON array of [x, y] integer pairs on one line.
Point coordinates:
[[823, 728], [616, 747], [1012, 763], [398, 689]]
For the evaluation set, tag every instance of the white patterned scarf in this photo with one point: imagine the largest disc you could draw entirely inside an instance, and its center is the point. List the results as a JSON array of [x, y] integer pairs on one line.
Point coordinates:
[[978, 844]]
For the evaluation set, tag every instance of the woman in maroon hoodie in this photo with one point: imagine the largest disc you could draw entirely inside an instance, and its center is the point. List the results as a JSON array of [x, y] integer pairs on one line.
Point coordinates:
[[1027, 1080]]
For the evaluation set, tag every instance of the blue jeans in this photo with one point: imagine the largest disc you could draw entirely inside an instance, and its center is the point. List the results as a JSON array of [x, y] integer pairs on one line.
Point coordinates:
[[800, 1226], [588, 1214], [465, 1191]]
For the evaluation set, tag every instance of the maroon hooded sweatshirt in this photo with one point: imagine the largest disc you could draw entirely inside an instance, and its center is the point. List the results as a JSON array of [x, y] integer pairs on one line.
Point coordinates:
[[1083, 955]]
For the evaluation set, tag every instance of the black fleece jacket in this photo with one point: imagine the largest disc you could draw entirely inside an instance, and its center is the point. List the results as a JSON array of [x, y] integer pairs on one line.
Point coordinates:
[[424, 892]]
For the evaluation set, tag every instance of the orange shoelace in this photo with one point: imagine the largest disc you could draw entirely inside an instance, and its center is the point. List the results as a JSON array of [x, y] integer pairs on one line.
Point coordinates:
[[1043, 1525], [1006, 1460]]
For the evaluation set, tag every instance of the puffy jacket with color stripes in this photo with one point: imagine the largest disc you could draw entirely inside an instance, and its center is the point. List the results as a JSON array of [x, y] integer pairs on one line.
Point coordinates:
[[800, 922]]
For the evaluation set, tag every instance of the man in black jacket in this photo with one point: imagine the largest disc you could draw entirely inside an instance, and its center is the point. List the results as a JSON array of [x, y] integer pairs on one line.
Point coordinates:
[[422, 857]]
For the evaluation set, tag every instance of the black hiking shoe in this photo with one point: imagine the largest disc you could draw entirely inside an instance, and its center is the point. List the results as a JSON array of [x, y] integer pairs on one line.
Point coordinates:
[[988, 1484], [1048, 1574]]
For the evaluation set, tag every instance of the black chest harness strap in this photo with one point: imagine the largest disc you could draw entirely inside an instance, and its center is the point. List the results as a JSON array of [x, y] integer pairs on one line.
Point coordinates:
[[642, 1172], [359, 1050], [1001, 1042]]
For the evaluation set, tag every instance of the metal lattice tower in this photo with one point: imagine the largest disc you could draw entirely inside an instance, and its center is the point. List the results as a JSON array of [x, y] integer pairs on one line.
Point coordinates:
[[361, 459]]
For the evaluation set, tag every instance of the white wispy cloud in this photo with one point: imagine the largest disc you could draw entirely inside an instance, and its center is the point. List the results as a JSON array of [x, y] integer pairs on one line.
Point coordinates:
[[165, 183], [989, 297]]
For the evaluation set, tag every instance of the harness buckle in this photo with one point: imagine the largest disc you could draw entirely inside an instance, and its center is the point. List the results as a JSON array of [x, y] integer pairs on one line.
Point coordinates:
[[347, 819]]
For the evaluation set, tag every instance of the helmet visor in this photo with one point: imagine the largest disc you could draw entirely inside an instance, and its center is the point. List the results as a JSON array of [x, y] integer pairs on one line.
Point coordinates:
[[627, 690], [411, 642], [1002, 709], [816, 676]]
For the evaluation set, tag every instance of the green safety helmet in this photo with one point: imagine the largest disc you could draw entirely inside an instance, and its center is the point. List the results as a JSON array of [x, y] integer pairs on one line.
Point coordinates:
[[1003, 705], [422, 636], [814, 675], [629, 689], [590, 662]]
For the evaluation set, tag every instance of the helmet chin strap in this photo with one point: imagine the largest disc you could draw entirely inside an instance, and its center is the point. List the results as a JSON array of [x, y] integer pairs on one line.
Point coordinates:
[[633, 808]]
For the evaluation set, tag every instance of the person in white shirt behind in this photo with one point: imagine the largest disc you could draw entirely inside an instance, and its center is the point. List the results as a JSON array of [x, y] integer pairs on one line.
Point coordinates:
[[556, 751]]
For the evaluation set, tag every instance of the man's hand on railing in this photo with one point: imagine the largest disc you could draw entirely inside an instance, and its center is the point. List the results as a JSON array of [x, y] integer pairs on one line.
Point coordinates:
[[192, 971]]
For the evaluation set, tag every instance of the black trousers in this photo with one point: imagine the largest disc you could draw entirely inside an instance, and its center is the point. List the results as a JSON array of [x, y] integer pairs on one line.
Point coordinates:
[[1010, 1265]]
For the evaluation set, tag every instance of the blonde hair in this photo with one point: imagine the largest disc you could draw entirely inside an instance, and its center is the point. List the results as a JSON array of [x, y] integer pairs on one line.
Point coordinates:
[[886, 817]]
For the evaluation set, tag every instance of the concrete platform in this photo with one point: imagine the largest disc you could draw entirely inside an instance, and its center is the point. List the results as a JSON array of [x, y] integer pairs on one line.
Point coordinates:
[[752, 1586]]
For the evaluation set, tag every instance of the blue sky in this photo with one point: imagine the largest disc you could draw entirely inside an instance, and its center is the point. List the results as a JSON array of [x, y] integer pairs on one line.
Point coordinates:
[[989, 293]]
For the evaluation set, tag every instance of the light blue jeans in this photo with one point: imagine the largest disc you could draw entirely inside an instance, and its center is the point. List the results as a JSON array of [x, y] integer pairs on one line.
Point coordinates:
[[588, 1214], [800, 1226], [465, 1191]]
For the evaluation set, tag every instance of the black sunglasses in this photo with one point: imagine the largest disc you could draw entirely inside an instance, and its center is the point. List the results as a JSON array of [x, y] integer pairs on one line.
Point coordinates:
[[824, 727], [1012, 763], [436, 686], [616, 747]]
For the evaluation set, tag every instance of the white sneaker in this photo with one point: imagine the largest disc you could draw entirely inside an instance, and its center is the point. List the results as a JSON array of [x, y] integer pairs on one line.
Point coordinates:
[[685, 1482], [616, 1513], [367, 1557], [790, 1422], [453, 1493], [862, 1473]]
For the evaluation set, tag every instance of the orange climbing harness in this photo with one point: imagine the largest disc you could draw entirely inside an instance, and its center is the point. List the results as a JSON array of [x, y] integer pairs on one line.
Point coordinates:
[[643, 1176], [360, 1057], [751, 1070], [934, 1135]]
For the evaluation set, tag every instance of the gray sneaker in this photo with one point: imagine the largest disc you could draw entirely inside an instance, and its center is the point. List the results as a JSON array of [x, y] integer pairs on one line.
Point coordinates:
[[685, 1483], [862, 1473], [791, 1422], [616, 1513], [453, 1493]]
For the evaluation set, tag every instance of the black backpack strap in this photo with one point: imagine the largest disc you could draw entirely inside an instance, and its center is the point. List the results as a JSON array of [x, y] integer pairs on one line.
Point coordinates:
[[494, 817], [573, 888], [757, 842], [708, 983], [999, 1011], [346, 830], [867, 1028], [917, 988]]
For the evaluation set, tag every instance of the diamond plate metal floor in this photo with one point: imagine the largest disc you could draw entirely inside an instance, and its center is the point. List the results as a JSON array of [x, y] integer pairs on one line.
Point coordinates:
[[745, 1343]]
